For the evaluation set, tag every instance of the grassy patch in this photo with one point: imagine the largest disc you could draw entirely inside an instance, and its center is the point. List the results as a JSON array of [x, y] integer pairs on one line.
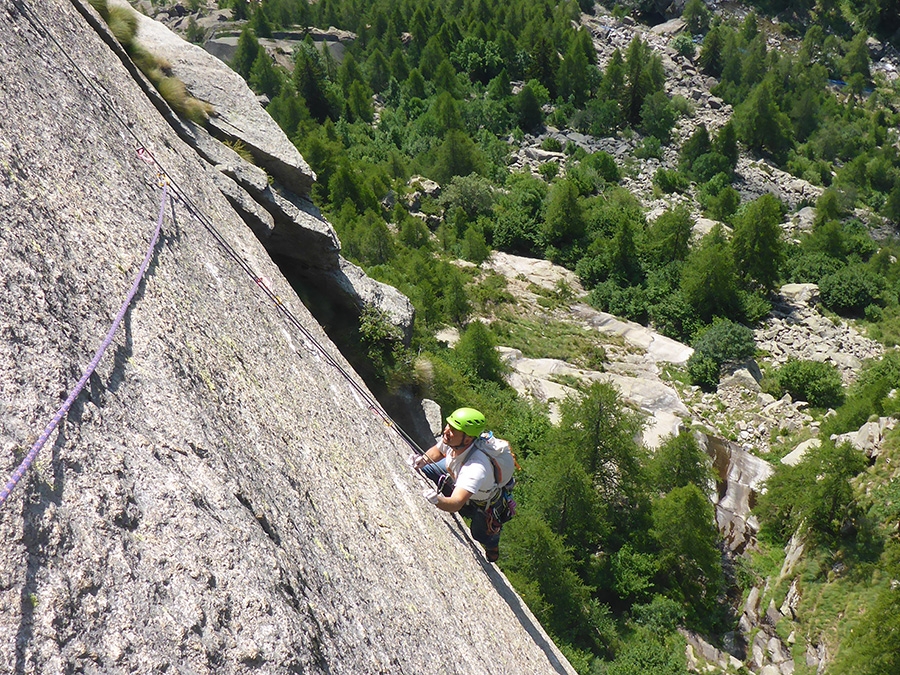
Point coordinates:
[[886, 331], [561, 295], [490, 293], [577, 345]]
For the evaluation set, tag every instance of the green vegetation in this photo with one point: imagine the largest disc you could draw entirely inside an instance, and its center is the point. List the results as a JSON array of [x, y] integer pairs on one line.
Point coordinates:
[[723, 342], [568, 342], [813, 381]]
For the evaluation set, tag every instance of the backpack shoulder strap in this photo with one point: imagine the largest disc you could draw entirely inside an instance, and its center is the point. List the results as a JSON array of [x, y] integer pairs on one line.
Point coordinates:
[[497, 471]]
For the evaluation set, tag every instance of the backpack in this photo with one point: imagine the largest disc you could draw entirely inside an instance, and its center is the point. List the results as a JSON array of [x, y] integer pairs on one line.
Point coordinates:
[[501, 456], [502, 507]]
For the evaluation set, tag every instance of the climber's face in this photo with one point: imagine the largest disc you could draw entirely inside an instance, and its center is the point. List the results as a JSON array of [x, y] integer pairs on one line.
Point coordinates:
[[455, 438]]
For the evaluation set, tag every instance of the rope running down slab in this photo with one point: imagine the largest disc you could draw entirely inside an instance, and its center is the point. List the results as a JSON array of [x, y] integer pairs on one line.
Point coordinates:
[[61, 413]]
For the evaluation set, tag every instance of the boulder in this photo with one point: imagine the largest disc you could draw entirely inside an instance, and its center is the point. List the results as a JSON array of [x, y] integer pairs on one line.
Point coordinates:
[[740, 477], [794, 457]]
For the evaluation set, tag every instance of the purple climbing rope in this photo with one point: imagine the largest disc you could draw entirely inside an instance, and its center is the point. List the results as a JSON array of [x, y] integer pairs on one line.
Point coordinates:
[[45, 435]]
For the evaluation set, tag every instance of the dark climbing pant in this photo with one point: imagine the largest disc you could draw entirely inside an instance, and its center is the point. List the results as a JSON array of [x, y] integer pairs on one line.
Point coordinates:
[[436, 471]]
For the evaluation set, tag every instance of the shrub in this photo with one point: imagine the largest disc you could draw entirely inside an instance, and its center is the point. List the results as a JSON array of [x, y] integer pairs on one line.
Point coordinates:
[[629, 303], [670, 181], [813, 381], [810, 267], [650, 147], [815, 496], [703, 371], [874, 313], [869, 395], [723, 342], [851, 289], [551, 144], [549, 170], [658, 116], [604, 164], [683, 44], [674, 318]]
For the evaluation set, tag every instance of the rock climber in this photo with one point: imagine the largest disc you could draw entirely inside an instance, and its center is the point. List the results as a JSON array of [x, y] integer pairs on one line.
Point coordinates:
[[464, 477]]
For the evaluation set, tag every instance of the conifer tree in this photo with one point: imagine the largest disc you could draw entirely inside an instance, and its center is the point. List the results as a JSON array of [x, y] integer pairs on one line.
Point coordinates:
[[761, 125], [758, 241], [710, 59], [311, 80], [264, 78], [247, 50], [709, 278], [857, 60]]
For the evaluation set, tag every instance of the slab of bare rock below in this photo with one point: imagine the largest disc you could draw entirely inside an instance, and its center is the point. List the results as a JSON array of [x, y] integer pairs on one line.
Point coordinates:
[[238, 114], [199, 509], [740, 477], [658, 348], [542, 273], [536, 378]]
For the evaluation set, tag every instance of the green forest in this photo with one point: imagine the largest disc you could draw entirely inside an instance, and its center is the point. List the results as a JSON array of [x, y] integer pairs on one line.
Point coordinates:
[[613, 549]]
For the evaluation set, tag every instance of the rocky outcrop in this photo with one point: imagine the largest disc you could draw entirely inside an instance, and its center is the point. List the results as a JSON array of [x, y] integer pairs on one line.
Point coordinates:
[[238, 115], [272, 193], [633, 367], [796, 330], [540, 379], [221, 497], [740, 476]]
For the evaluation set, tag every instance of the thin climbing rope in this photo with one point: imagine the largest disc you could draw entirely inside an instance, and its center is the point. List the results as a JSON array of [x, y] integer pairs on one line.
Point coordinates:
[[57, 418]]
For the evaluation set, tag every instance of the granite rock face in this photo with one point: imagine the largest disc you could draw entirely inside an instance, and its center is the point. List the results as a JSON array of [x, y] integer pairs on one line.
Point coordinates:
[[270, 194], [220, 498]]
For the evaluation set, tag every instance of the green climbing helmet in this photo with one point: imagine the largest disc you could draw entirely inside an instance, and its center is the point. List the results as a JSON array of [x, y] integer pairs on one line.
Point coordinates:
[[467, 420]]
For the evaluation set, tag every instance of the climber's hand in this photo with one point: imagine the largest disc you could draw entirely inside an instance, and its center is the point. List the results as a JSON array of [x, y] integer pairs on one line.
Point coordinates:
[[416, 461]]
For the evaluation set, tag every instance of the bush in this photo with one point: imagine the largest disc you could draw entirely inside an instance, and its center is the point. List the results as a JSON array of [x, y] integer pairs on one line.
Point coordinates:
[[650, 147], [869, 395], [723, 342], [604, 164], [683, 44], [813, 381], [549, 170], [810, 268], [551, 144], [703, 371], [629, 303], [674, 317], [851, 289], [670, 181]]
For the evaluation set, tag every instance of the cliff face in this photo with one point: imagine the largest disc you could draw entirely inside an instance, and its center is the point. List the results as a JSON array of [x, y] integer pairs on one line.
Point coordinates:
[[220, 498]]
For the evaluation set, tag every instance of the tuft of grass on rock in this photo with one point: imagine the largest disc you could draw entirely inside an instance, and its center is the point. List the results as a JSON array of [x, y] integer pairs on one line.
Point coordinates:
[[123, 24]]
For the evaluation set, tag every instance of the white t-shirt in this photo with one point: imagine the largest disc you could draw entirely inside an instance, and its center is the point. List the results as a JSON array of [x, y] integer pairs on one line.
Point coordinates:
[[472, 471]]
